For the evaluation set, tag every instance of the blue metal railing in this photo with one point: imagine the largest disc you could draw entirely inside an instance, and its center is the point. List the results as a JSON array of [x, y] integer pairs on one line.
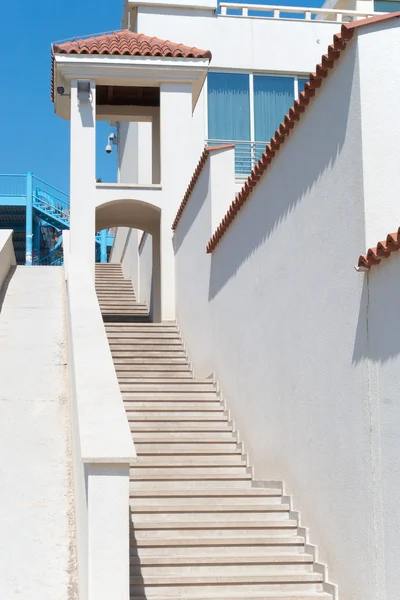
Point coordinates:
[[12, 185], [51, 208]]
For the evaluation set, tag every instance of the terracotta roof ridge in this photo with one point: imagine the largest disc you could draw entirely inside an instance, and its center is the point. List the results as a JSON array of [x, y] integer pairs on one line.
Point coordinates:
[[382, 250], [200, 165], [322, 70], [125, 43]]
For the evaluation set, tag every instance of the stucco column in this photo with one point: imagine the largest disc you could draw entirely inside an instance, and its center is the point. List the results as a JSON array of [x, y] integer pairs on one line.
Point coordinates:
[[155, 148], [108, 531], [177, 164], [82, 177]]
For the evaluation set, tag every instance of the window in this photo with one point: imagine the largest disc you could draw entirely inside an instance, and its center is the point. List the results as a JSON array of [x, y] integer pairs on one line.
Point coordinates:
[[386, 6], [228, 106], [247, 109]]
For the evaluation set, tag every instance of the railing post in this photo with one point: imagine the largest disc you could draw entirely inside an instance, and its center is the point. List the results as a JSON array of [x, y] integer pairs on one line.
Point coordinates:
[[36, 242], [29, 219], [103, 245]]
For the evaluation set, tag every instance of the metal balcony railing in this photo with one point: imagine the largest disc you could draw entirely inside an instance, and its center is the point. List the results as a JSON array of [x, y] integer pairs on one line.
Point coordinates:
[[247, 154], [313, 14], [12, 186]]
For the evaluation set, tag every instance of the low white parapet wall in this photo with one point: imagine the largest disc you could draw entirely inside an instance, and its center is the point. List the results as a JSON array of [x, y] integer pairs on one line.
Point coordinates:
[[7, 255], [102, 446]]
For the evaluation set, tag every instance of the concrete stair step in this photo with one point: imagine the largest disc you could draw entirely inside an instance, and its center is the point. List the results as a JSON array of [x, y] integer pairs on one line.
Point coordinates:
[[142, 471], [170, 382], [130, 341], [134, 310], [202, 515], [176, 407], [146, 348], [133, 374], [216, 562], [130, 392], [189, 448], [193, 498], [242, 544], [224, 527], [143, 327], [222, 595], [209, 510], [206, 483], [154, 359], [234, 529], [164, 416], [221, 493], [145, 335], [180, 437], [180, 474], [263, 547], [176, 460], [167, 370], [120, 299], [259, 568], [176, 585], [188, 399], [176, 426]]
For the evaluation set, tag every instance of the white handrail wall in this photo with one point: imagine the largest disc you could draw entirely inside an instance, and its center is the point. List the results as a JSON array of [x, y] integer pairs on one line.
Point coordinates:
[[102, 446], [7, 255]]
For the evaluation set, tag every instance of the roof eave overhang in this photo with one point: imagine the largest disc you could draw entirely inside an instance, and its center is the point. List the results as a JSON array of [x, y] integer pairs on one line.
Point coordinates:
[[127, 70]]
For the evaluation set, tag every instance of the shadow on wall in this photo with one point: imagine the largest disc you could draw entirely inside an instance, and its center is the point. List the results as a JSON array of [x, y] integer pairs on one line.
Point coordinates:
[[4, 287], [312, 148], [193, 208], [377, 335]]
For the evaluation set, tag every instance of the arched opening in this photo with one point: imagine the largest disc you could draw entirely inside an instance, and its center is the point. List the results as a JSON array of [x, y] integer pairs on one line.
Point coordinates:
[[136, 247]]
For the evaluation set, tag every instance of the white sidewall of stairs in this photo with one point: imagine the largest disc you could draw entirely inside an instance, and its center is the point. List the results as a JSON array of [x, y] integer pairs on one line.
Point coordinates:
[[304, 348]]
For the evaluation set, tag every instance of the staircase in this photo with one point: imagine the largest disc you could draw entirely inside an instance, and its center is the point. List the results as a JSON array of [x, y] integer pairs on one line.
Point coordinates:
[[116, 295], [200, 529]]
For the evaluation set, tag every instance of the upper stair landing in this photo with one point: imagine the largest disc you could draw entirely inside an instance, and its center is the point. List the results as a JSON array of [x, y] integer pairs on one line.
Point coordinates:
[[117, 298]]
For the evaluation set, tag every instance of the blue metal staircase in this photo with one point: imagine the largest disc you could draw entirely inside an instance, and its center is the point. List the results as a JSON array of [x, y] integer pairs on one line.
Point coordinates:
[[38, 212]]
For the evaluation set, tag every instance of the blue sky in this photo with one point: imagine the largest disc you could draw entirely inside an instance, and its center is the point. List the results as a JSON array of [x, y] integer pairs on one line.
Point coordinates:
[[32, 137]]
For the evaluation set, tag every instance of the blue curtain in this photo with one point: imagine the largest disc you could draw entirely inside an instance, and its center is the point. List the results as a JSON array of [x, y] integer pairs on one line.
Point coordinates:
[[228, 106], [273, 96], [302, 82]]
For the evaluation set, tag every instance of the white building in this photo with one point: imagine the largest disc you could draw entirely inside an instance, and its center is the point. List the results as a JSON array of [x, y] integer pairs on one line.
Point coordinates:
[[253, 177]]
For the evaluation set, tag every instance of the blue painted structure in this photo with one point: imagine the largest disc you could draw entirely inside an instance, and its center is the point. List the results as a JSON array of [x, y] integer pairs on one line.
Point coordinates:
[[38, 212]]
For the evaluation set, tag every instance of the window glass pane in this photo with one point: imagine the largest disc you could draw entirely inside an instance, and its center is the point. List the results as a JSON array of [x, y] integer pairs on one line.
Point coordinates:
[[386, 6], [273, 96], [228, 106]]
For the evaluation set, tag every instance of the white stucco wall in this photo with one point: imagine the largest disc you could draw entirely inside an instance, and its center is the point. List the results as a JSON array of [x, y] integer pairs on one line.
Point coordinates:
[[239, 42], [380, 81], [146, 270], [7, 255], [125, 252], [36, 504], [287, 327], [102, 446], [381, 349]]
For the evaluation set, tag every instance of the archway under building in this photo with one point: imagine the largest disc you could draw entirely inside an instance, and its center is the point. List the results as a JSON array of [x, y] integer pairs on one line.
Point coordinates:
[[136, 247]]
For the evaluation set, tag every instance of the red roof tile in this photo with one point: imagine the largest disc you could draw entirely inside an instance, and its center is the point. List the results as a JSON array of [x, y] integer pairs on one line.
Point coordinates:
[[126, 43], [383, 250], [129, 43], [322, 71], [203, 159]]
